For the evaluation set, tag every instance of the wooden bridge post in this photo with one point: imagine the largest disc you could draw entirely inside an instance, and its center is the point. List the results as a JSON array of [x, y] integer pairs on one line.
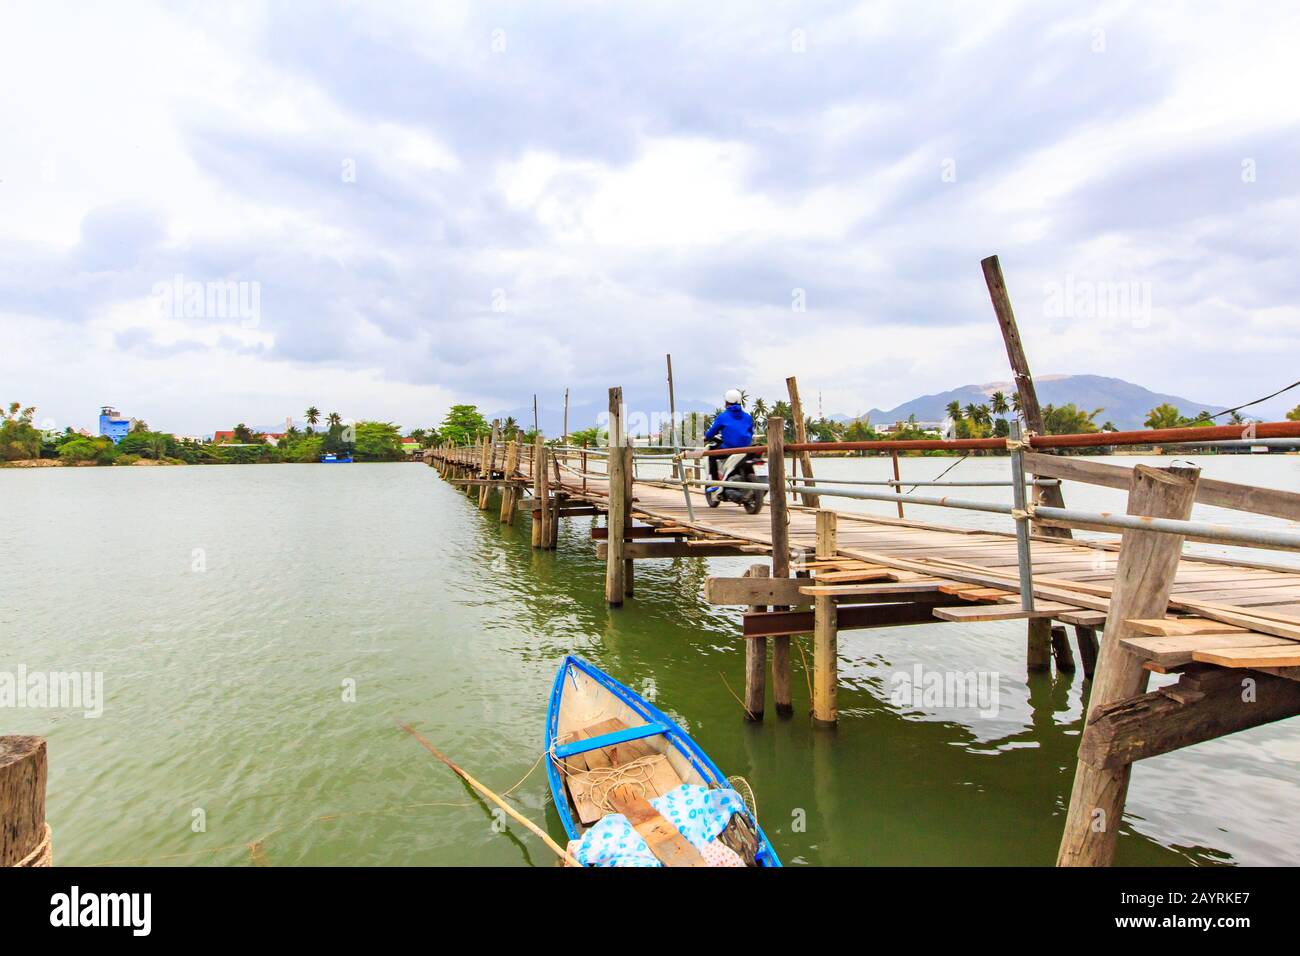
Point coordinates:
[[545, 515], [1144, 576], [628, 498], [1086, 638], [756, 659], [780, 513], [615, 564], [537, 471], [1061, 650], [491, 461], [1029, 407], [898, 488], [510, 491], [801, 436], [1038, 645], [825, 632], [24, 836]]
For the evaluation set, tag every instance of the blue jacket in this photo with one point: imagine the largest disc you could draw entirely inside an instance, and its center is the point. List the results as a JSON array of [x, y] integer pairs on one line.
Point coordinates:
[[736, 426]]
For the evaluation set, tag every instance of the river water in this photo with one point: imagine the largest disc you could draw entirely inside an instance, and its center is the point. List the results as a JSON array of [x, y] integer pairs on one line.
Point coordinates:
[[261, 631]]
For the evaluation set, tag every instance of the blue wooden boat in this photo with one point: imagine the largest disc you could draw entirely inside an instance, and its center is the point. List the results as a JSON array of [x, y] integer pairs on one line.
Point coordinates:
[[332, 459], [596, 728]]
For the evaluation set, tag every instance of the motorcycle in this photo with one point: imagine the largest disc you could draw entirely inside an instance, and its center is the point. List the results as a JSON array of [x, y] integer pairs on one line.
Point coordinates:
[[737, 467]]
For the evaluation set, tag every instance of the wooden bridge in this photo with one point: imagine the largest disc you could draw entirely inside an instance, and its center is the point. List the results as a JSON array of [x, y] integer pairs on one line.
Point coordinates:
[[1228, 628]]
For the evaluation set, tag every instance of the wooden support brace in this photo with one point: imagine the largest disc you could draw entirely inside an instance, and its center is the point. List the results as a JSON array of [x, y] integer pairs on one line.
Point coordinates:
[[1199, 707]]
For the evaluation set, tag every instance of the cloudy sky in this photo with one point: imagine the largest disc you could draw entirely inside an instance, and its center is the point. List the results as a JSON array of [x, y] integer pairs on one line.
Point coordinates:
[[212, 213]]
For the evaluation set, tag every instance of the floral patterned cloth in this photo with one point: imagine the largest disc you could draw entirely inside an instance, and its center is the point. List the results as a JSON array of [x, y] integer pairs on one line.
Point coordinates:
[[699, 813]]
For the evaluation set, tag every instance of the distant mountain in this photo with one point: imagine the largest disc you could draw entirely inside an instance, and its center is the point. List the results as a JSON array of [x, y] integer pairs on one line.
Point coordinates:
[[1121, 402]]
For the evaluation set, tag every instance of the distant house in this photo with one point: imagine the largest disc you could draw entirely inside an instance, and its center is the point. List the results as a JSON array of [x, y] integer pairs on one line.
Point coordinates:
[[228, 437], [410, 445], [112, 424], [931, 427]]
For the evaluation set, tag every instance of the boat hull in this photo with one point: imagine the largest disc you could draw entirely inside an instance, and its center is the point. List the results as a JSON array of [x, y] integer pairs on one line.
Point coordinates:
[[601, 695]]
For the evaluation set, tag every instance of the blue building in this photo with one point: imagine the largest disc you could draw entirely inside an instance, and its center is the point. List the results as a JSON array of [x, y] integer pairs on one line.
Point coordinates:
[[112, 424]]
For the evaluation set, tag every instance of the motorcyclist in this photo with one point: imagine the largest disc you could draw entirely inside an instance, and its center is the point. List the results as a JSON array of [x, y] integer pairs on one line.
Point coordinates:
[[732, 428]]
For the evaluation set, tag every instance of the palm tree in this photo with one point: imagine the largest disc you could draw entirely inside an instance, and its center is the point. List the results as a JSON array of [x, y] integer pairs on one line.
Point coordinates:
[[312, 416], [509, 427], [999, 404], [1069, 420], [954, 410], [334, 418], [1164, 415], [972, 412], [157, 446]]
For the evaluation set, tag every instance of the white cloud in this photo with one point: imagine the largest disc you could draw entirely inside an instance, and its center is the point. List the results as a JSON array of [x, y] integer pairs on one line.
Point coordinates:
[[633, 181]]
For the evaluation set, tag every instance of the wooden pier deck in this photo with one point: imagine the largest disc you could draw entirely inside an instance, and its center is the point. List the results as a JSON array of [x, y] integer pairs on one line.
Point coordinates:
[[1073, 577]]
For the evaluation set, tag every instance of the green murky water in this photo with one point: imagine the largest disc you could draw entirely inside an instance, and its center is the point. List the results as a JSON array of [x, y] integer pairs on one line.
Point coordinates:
[[229, 609]]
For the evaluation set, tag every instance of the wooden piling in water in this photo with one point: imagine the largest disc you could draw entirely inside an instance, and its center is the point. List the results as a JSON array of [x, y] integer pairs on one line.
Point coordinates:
[[780, 515], [557, 502], [545, 512], [1086, 638], [24, 835], [756, 659], [1038, 652], [628, 497], [1061, 652], [489, 465], [536, 471], [825, 632], [1144, 577], [510, 491], [615, 563]]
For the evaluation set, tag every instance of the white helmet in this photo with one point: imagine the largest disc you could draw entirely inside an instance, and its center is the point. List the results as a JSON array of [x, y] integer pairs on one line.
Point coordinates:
[[732, 397]]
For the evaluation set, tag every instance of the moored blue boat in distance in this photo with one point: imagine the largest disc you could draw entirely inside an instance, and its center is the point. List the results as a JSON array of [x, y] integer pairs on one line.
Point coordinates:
[[330, 458], [633, 789]]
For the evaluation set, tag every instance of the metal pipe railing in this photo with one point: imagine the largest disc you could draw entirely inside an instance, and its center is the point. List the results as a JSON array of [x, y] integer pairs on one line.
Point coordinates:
[[1024, 557], [1156, 436], [1201, 530], [1041, 482]]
